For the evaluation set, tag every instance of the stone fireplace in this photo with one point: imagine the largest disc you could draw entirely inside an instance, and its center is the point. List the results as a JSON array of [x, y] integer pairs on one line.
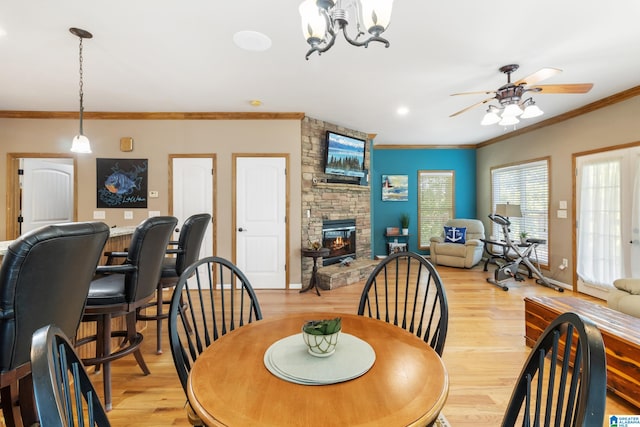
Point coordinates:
[[327, 201]]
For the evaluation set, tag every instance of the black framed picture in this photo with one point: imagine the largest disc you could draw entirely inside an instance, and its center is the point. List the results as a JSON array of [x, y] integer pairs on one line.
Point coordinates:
[[121, 183]]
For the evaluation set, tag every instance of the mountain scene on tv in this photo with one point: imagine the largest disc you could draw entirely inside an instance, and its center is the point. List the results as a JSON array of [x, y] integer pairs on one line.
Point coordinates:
[[345, 156]]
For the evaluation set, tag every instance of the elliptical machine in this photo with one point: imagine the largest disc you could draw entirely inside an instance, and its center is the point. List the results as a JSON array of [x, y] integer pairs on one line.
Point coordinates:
[[516, 255]]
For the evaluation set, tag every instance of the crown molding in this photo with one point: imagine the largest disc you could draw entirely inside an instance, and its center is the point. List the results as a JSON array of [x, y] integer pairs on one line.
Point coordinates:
[[102, 115]]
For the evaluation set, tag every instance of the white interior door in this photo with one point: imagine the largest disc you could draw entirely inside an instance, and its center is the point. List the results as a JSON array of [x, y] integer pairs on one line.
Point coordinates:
[[261, 220], [47, 192], [193, 193]]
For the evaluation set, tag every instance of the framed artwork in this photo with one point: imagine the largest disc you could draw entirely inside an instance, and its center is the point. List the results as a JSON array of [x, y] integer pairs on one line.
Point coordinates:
[[395, 188], [121, 183]]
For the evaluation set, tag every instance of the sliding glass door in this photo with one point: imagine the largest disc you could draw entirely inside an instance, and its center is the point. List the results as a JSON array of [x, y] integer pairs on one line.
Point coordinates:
[[608, 219]]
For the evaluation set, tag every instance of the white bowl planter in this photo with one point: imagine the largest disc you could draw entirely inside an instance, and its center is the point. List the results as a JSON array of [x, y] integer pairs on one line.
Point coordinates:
[[321, 345]]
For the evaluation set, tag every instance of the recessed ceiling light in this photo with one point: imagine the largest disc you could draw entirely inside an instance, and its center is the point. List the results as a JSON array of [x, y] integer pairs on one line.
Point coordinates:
[[252, 41], [2, 32], [402, 111]]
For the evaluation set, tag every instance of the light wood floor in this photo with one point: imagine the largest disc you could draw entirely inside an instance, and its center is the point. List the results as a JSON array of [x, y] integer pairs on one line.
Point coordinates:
[[484, 353]]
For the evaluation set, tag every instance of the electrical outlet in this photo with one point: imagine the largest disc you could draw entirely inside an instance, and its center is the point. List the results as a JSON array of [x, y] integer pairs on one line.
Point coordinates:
[[128, 214], [565, 262], [98, 215]]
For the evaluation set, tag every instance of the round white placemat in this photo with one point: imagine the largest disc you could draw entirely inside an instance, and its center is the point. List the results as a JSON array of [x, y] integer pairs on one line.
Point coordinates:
[[289, 360]]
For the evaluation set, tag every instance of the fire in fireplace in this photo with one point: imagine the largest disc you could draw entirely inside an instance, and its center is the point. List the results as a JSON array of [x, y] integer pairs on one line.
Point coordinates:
[[339, 236]]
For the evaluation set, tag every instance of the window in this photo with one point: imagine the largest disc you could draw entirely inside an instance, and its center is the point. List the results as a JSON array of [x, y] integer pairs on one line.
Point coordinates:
[[435, 203], [527, 185]]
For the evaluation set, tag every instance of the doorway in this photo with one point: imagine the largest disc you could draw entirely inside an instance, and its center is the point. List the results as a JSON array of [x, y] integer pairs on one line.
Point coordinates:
[[607, 218], [54, 204], [192, 183], [260, 204]]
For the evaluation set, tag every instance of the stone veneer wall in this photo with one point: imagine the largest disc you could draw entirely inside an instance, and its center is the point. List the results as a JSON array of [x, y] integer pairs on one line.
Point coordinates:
[[328, 200]]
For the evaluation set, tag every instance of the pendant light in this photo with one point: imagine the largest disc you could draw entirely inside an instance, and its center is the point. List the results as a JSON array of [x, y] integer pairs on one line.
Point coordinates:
[[80, 142]]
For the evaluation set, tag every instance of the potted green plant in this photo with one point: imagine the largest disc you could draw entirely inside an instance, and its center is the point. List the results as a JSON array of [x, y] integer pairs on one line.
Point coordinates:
[[523, 237], [321, 336], [404, 221]]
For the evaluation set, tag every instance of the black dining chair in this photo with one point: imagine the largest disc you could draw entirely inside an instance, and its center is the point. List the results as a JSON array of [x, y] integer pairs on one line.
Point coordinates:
[[564, 380], [182, 253], [220, 299], [405, 289], [44, 279], [119, 291], [64, 395]]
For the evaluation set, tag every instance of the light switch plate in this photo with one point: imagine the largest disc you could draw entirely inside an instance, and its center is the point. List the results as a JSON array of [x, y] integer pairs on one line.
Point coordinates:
[[128, 214], [154, 213], [153, 194], [562, 213], [562, 204], [99, 215]]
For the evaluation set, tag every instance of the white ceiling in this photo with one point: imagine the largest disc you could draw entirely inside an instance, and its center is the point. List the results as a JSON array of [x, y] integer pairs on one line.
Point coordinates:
[[179, 56]]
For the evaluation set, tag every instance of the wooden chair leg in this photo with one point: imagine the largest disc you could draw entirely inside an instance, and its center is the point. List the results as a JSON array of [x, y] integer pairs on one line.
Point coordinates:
[[27, 401], [106, 350], [131, 337], [10, 408], [159, 311]]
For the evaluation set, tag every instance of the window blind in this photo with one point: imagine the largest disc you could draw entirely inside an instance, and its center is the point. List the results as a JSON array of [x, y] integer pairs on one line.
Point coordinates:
[[435, 203], [527, 185]]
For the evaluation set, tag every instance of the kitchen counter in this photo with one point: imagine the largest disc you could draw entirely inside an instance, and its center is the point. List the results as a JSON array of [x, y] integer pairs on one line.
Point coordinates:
[[114, 232]]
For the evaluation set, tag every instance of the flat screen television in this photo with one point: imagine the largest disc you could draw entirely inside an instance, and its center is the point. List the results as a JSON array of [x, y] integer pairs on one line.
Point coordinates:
[[344, 155]]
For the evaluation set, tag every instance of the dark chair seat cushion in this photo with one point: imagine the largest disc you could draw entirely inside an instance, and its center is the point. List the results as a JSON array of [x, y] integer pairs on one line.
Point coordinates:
[[107, 290]]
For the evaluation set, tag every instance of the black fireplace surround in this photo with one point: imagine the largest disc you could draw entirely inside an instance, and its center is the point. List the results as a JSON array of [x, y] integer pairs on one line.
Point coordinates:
[[339, 236]]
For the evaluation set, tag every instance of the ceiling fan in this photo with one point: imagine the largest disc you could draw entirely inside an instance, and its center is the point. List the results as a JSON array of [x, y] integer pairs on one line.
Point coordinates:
[[511, 96]]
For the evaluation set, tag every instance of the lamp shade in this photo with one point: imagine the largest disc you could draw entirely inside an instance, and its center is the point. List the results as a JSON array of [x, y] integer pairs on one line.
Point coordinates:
[[376, 15], [314, 24], [508, 210], [80, 144], [512, 110], [509, 120], [531, 111], [490, 118]]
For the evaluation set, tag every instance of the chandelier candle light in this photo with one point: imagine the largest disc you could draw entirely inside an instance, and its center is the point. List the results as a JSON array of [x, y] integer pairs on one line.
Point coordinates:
[[322, 20], [80, 142]]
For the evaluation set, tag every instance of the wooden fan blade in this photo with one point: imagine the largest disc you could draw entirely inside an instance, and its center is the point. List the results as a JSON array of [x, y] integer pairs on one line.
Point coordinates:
[[538, 76], [566, 88], [480, 92], [477, 104]]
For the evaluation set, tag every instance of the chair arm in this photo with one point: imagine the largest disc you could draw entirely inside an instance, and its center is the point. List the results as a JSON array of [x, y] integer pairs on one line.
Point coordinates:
[[628, 285], [437, 239], [172, 243], [116, 254], [121, 268], [474, 242]]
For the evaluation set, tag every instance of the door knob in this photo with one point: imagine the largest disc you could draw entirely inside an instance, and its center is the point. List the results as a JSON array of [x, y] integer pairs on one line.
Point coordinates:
[[242, 229]]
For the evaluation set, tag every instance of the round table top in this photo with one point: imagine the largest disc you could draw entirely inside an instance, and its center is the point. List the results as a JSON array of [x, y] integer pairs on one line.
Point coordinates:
[[229, 384]]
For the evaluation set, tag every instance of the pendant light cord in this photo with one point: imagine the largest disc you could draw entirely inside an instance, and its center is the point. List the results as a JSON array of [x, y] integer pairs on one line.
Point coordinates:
[[81, 92]]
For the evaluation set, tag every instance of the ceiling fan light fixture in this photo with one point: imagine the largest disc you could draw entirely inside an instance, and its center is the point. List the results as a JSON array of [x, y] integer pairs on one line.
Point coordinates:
[[508, 121], [491, 118], [531, 111], [512, 110]]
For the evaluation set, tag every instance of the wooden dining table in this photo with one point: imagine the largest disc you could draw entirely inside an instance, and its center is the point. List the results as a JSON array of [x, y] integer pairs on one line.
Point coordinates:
[[229, 384]]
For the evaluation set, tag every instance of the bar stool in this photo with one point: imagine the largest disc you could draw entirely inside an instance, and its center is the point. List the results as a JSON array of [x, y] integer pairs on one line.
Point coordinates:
[[120, 292]]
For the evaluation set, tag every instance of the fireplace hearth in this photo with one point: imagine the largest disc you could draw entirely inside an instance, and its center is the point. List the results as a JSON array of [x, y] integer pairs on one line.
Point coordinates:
[[339, 236]]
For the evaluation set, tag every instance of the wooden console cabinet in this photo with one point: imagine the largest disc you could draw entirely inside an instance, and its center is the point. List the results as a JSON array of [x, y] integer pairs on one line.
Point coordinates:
[[620, 333]]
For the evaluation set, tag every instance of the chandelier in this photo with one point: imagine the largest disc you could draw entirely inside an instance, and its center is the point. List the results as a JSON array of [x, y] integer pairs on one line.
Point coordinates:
[[80, 142], [322, 20], [511, 103]]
